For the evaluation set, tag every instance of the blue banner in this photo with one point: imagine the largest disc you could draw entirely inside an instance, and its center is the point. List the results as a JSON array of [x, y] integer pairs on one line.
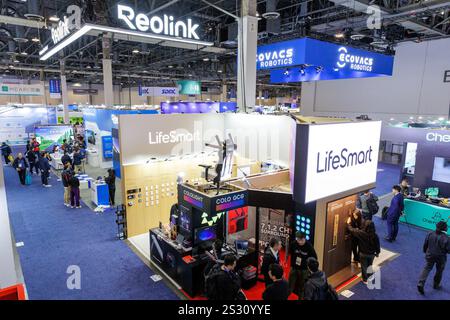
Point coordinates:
[[107, 147]]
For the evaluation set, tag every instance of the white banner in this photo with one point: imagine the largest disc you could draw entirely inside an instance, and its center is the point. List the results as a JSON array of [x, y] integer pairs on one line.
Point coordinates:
[[14, 89], [158, 91]]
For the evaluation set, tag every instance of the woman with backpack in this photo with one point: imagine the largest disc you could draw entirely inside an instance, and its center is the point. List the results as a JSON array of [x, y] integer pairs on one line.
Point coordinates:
[[369, 245]]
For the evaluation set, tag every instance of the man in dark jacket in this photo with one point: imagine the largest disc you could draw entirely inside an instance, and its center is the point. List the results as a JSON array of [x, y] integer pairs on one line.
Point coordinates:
[[362, 205], [394, 212], [316, 286], [227, 281], [32, 160], [300, 251], [21, 165], [66, 159], [6, 151], [436, 247], [66, 175], [279, 289], [44, 166], [271, 256], [74, 184]]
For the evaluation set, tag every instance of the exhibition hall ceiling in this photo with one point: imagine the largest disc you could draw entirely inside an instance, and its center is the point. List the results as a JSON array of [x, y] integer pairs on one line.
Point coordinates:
[[25, 31]]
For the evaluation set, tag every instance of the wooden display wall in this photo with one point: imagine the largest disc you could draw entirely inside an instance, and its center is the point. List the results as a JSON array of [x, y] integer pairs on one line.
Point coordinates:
[[156, 185]]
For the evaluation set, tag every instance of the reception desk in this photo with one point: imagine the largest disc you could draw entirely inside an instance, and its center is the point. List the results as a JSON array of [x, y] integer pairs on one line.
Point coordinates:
[[424, 214]]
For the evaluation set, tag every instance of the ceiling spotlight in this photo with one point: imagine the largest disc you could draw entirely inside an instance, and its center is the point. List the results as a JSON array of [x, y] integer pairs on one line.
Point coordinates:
[[206, 59], [319, 69], [53, 18], [88, 66], [286, 72], [16, 61], [339, 35], [77, 84], [35, 39], [357, 36], [219, 71], [302, 71], [24, 53], [170, 66], [135, 51]]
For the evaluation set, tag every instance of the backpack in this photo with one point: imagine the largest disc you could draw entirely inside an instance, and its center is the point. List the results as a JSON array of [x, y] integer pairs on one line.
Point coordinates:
[[211, 282], [384, 213], [372, 205], [325, 293]]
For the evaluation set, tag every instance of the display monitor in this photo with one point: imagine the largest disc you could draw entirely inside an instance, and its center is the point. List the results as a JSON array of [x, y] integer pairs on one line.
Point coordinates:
[[90, 136], [205, 234], [185, 218], [441, 170], [241, 246]]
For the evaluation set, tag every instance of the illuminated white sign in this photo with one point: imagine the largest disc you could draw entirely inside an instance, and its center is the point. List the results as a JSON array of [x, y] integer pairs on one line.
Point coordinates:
[[67, 24], [156, 24], [275, 58], [173, 137], [355, 62], [341, 157], [437, 137]]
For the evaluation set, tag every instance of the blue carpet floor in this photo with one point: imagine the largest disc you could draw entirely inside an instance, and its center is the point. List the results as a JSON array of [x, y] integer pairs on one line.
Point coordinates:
[[387, 176], [56, 237], [399, 277]]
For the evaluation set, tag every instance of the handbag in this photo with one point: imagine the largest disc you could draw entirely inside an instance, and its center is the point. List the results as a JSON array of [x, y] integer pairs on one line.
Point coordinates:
[[28, 178]]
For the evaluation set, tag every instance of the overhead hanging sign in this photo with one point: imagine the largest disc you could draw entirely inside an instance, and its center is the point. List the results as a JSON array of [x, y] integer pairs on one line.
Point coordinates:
[[164, 24], [189, 87], [67, 24], [15, 89], [55, 88], [158, 91]]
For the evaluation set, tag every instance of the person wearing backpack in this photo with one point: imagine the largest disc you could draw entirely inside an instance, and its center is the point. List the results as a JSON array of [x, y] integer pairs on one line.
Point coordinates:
[[66, 175], [74, 184], [279, 289], [222, 283], [436, 248], [6, 152], [369, 245], [367, 204], [317, 287]]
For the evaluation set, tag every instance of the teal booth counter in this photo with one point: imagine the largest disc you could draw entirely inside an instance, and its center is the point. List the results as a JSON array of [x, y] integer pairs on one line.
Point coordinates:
[[424, 214]]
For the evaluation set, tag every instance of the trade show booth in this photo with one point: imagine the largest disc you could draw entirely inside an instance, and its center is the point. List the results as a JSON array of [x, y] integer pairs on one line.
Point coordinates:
[[425, 163], [266, 176]]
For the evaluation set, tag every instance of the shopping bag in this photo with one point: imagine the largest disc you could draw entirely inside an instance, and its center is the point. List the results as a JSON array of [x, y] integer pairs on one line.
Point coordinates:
[[28, 179], [11, 158]]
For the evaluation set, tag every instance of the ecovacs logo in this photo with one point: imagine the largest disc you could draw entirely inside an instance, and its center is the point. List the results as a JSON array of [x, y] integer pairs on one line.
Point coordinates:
[[354, 62], [275, 58], [159, 25]]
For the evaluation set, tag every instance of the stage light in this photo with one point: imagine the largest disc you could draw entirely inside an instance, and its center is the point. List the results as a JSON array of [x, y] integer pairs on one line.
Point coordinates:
[[53, 18], [135, 51], [339, 35]]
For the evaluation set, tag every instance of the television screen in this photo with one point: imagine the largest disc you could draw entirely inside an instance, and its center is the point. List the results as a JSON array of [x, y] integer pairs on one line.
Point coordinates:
[[90, 136], [441, 171], [185, 218], [205, 234]]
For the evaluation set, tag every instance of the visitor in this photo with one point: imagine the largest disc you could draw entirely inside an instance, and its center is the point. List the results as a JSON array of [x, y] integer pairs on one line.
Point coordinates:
[[300, 251], [279, 289], [405, 187], [74, 184], [66, 159], [271, 256], [436, 247], [44, 166], [223, 283], [367, 203], [111, 182], [393, 213], [66, 175], [21, 165], [28, 146], [369, 245], [77, 158], [6, 152], [356, 223], [317, 287], [32, 160], [35, 146]]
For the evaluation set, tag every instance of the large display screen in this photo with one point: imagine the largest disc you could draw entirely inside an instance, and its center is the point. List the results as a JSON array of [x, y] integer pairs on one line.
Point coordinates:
[[49, 136], [205, 234], [185, 218], [441, 170], [341, 157]]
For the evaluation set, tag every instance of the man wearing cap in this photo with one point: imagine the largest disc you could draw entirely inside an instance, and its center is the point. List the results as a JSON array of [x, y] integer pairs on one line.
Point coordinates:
[[300, 251], [436, 248]]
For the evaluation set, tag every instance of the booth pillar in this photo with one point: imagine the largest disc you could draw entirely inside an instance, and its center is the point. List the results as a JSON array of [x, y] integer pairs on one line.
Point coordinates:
[[107, 73], [247, 43], [64, 93]]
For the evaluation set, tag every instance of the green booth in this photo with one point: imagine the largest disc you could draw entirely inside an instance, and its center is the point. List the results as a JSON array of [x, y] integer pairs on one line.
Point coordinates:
[[424, 214]]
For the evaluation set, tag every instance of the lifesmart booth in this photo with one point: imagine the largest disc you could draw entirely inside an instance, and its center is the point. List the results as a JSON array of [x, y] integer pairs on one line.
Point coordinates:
[[281, 175], [425, 162]]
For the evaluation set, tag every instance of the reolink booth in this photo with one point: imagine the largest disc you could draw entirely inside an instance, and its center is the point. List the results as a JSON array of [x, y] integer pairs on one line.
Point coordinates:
[[243, 179], [425, 162]]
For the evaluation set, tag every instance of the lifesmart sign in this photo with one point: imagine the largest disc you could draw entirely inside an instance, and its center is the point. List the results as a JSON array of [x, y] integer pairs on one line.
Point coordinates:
[[341, 157], [156, 24], [158, 91], [320, 60], [172, 137]]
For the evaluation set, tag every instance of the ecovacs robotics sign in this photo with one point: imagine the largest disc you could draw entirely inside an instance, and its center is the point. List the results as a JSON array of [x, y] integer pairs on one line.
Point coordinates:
[[281, 54], [341, 157], [165, 25]]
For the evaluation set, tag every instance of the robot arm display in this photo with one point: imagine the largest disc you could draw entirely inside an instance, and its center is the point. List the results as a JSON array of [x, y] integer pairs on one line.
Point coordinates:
[[223, 167]]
